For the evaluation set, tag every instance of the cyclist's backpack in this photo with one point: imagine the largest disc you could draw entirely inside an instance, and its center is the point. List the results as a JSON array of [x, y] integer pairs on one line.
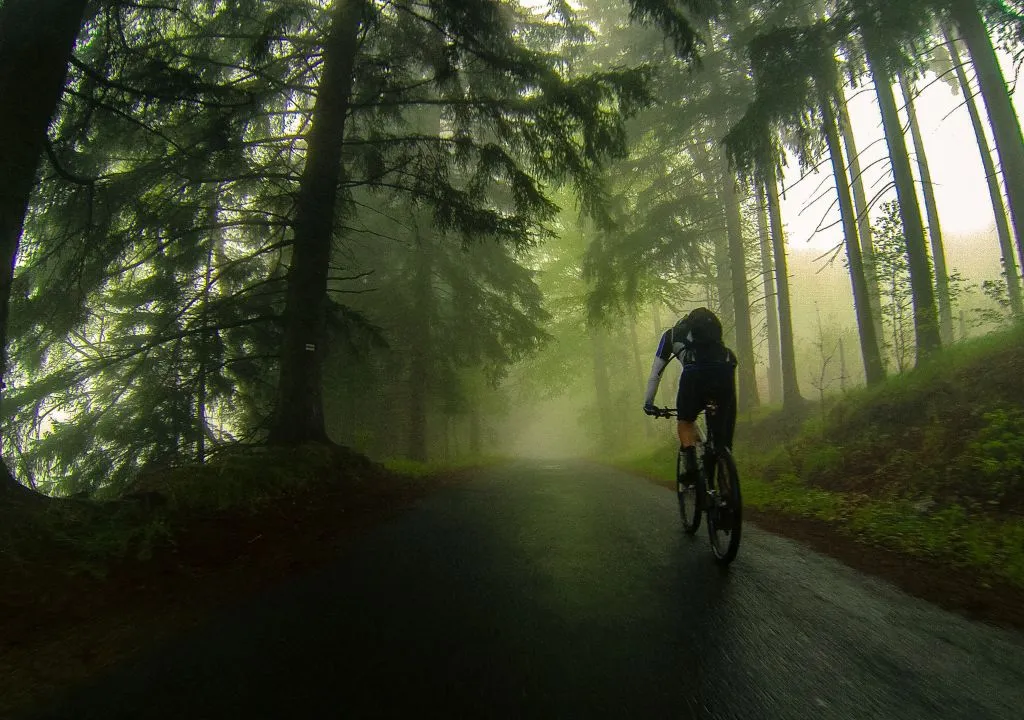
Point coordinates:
[[703, 325]]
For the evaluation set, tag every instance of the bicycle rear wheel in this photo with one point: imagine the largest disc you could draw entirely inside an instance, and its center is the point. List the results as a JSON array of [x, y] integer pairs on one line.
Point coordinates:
[[688, 495], [725, 516]]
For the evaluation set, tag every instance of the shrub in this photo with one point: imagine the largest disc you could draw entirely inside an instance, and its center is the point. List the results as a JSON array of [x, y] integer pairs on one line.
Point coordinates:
[[994, 456]]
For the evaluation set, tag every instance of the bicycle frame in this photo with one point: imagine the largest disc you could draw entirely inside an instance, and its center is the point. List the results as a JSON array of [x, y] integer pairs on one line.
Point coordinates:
[[705, 436], [718, 491]]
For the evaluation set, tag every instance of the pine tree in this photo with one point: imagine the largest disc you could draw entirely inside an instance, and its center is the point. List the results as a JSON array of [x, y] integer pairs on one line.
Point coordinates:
[[770, 301], [299, 411], [860, 204], [36, 40], [1010, 267], [538, 144], [791, 397], [932, 210], [1005, 124]]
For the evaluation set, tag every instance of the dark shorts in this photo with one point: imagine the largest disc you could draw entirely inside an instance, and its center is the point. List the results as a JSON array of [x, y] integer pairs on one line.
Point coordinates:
[[701, 384]]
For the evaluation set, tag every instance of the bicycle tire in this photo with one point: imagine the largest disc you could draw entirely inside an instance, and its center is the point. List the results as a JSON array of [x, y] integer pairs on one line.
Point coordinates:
[[728, 514], [688, 498]]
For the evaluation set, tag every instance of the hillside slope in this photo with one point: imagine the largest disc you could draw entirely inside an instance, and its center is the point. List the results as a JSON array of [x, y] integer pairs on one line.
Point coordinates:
[[919, 480], [949, 434]]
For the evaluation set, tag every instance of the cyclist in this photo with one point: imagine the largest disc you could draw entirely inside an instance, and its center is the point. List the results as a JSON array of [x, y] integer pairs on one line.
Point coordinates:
[[709, 374]]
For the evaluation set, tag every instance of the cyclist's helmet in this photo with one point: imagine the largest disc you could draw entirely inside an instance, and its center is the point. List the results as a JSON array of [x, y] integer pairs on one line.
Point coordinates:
[[703, 325]]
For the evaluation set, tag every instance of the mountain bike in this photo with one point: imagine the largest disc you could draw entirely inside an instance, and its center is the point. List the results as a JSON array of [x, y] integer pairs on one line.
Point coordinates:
[[716, 492]]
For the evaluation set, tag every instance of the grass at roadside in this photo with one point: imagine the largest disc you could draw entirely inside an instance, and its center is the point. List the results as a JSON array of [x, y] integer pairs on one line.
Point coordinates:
[[413, 468], [993, 547]]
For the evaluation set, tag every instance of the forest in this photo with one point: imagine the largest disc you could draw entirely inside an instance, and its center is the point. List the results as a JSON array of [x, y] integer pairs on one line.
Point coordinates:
[[433, 232], [239, 222]]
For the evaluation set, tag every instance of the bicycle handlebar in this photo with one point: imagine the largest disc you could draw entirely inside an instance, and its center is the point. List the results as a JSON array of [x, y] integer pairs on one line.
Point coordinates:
[[666, 412]]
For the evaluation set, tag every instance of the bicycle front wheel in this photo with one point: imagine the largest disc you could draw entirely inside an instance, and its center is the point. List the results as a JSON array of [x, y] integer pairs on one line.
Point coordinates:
[[688, 494], [725, 516]]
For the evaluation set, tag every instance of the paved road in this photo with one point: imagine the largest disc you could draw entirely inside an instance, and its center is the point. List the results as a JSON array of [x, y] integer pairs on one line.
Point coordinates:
[[568, 590]]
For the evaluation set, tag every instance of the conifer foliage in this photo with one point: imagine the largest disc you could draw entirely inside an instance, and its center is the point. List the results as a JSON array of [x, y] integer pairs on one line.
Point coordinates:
[[209, 212], [228, 221]]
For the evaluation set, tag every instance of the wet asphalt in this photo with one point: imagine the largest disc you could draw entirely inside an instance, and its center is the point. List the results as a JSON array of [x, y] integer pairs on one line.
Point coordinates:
[[562, 589]]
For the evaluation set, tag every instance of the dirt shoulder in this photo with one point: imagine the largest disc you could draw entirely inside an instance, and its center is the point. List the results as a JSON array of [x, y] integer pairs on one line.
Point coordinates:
[[959, 590], [58, 628]]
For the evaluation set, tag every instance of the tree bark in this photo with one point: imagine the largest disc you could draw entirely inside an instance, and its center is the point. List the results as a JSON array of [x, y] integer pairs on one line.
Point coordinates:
[[771, 309], [791, 398], [475, 430], [932, 210], [641, 371], [299, 414], [747, 387], [205, 348], [842, 365], [860, 204], [420, 370], [214, 259], [602, 387], [1005, 124], [926, 320], [723, 286], [37, 38], [1013, 281], [873, 370]]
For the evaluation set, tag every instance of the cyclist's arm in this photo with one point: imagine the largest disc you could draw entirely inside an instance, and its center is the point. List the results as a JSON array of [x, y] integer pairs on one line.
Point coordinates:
[[661, 360]]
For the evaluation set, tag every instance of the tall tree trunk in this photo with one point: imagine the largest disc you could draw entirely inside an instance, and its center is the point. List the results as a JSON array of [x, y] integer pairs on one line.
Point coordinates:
[[747, 391], [714, 173], [420, 368], [860, 204], [771, 309], [299, 414], [1005, 124], [638, 364], [602, 387], [932, 210], [873, 371], [475, 430], [842, 365], [205, 349], [791, 398], [215, 257], [723, 286], [1013, 283], [640, 373], [446, 437], [926, 320], [37, 38]]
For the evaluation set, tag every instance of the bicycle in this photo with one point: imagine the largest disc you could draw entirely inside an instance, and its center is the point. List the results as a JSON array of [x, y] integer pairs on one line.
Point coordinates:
[[722, 503]]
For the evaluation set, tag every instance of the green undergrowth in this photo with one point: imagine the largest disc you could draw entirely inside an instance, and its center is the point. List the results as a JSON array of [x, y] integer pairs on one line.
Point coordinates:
[[79, 537], [251, 477], [416, 469], [930, 463], [128, 524]]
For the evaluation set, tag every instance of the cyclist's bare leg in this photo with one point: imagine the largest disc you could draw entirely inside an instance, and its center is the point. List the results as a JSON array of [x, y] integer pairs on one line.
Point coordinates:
[[687, 433], [688, 442]]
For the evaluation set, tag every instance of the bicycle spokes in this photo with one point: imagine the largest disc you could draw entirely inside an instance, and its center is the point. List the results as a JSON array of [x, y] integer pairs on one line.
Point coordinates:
[[725, 515]]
